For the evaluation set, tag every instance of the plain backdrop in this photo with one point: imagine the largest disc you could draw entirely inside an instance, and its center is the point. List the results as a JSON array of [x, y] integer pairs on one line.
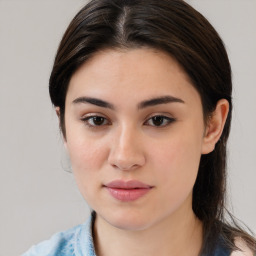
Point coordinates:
[[37, 196]]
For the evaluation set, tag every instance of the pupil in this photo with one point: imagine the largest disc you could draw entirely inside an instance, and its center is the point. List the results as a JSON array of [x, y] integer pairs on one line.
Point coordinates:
[[158, 120], [98, 120]]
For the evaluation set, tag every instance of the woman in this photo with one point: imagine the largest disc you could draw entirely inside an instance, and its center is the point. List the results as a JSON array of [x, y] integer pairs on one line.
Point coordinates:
[[142, 90]]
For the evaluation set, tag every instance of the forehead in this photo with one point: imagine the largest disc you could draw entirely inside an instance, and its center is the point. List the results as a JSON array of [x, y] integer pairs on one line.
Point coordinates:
[[135, 73]]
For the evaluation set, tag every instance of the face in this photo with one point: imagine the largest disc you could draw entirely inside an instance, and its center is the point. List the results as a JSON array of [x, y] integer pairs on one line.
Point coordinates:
[[134, 133]]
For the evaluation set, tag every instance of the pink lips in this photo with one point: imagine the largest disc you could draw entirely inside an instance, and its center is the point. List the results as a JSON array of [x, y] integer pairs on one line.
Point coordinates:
[[127, 191]]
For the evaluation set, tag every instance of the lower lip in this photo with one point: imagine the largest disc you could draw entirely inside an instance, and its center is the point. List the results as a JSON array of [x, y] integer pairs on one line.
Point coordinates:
[[127, 195]]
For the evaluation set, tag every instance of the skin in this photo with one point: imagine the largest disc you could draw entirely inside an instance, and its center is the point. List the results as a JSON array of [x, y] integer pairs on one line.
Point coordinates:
[[127, 144]]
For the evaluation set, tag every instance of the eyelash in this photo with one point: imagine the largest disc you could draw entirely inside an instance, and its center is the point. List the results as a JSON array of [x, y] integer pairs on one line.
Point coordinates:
[[167, 121], [87, 120]]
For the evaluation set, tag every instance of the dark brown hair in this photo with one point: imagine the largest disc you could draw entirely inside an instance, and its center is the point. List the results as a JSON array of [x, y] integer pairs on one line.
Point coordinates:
[[176, 28]]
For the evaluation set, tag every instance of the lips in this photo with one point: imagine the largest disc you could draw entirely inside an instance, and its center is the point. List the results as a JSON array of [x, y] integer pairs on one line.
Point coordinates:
[[127, 190]]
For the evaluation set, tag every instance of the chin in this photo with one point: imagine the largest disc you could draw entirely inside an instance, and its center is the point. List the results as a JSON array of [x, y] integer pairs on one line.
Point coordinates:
[[131, 225], [128, 220]]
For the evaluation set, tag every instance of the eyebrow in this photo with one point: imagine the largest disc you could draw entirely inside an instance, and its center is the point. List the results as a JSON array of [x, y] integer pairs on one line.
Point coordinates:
[[158, 101], [143, 104], [94, 101]]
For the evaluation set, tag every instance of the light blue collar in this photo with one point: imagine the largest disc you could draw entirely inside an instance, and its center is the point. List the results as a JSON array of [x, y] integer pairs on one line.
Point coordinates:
[[84, 238]]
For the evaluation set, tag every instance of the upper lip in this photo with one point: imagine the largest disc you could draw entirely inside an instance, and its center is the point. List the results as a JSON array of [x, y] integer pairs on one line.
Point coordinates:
[[131, 184]]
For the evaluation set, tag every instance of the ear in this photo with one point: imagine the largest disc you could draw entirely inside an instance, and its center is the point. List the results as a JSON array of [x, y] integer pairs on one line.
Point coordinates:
[[215, 126], [57, 110]]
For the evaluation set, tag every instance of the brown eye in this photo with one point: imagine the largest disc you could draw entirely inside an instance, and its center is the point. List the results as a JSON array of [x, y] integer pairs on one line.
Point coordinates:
[[95, 121], [98, 120], [159, 121]]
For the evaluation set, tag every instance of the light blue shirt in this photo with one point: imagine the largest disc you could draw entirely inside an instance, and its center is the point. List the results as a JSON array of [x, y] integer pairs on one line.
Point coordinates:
[[77, 241]]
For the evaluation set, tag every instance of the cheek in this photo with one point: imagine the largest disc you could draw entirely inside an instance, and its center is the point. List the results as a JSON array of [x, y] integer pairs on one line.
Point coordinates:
[[87, 157], [178, 163], [180, 150]]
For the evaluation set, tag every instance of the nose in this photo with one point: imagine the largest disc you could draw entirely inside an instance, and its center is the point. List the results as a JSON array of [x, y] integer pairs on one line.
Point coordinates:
[[126, 151]]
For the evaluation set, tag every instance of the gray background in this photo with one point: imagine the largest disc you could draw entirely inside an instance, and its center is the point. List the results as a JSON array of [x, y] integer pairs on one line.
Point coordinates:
[[37, 196]]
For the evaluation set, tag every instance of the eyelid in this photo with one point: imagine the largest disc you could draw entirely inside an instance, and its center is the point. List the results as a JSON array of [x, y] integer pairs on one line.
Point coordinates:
[[87, 117], [164, 116]]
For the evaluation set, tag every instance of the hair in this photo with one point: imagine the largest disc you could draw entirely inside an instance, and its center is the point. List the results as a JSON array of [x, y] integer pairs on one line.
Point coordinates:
[[176, 28]]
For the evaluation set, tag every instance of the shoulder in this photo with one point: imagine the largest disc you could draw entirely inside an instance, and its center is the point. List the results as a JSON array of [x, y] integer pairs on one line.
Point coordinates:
[[62, 244], [76, 241], [244, 249]]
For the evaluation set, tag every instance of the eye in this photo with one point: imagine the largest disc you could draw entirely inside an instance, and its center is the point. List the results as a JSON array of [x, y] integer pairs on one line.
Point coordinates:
[[95, 121], [159, 121]]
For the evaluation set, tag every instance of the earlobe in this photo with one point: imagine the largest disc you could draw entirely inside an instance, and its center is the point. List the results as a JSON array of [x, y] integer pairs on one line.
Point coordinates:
[[215, 126], [57, 110]]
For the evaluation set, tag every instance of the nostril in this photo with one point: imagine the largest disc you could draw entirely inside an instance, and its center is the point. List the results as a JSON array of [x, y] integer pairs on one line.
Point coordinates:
[[125, 167]]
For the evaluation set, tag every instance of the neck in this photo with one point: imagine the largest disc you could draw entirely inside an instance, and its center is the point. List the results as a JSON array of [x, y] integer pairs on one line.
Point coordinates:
[[175, 235]]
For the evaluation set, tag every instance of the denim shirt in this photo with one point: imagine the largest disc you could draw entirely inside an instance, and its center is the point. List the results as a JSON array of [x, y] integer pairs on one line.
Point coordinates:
[[78, 241]]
